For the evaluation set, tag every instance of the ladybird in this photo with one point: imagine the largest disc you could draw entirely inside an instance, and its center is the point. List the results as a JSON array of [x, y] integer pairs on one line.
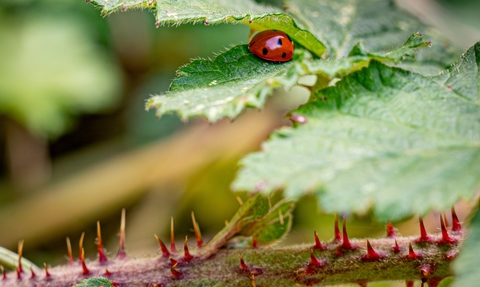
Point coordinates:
[[272, 45]]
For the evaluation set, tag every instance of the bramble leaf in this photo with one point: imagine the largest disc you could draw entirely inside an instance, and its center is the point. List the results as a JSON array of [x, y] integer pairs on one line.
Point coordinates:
[[274, 225], [466, 264], [395, 141], [210, 12], [379, 24], [95, 282], [9, 259], [220, 88], [236, 79]]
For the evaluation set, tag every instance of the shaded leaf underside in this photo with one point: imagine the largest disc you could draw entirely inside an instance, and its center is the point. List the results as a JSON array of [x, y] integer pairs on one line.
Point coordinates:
[[388, 138], [209, 12]]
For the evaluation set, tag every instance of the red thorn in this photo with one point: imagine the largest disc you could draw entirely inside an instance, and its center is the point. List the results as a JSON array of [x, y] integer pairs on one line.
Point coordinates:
[[371, 254], [434, 282], [20, 254], [446, 239], [47, 274], [124, 7], [19, 274], [157, 24], [102, 258], [33, 273], [103, 14], [187, 257], [445, 220], [165, 252], [409, 283], [299, 119], [314, 262], [206, 22], [243, 266], [456, 226], [396, 248], [196, 229], [69, 250], [175, 273], [346, 244], [391, 231], [338, 237], [4, 275], [412, 255], [252, 280], [107, 273], [88, 1], [425, 270], [450, 255], [423, 233], [255, 241], [318, 245], [80, 246], [172, 236], [121, 254], [85, 270], [172, 261]]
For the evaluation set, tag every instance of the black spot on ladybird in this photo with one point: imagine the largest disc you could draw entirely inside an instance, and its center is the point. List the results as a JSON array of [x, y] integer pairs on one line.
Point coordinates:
[[264, 51], [279, 42], [284, 55]]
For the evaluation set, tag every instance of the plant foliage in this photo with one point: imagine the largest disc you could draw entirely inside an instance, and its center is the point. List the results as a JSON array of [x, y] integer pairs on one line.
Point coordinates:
[[380, 131]]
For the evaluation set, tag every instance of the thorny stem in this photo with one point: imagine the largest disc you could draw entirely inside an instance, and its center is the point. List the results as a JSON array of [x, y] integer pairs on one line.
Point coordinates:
[[269, 267], [342, 260]]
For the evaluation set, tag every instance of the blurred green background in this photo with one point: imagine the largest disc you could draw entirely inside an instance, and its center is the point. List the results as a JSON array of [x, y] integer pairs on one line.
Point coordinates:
[[76, 144]]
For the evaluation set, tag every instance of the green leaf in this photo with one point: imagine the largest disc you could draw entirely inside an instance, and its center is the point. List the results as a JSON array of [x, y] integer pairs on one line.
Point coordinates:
[[256, 218], [9, 260], [359, 57], [393, 140], [51, 71], [274, 225], [95, 282], [210, 12], [466, 264], [236, 79], [342, 24], [252, 210], [220, 88]]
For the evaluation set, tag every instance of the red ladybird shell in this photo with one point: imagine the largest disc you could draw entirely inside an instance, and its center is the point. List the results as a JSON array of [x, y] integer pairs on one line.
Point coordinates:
[[272, 45]]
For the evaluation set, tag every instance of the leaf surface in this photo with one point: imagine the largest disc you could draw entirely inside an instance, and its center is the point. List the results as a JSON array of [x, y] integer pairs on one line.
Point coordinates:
[[395, 141], [466, 264], [236, 79], [379, 24]]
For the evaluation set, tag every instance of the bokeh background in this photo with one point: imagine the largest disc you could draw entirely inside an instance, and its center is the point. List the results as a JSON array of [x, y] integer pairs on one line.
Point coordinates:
[[77, 146]]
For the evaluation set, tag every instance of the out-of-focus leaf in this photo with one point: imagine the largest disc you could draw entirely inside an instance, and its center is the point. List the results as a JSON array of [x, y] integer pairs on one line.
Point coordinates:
[[9, 259], [466, 265], [51, 71]]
